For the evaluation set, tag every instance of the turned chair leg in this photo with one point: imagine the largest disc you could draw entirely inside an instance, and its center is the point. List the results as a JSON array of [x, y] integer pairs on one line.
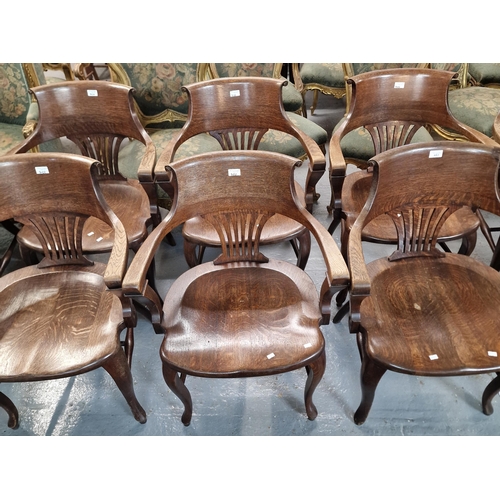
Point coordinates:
[[315, 373], [371, 373], [11, 410], [492, 389], [117, 366], [176, 385]]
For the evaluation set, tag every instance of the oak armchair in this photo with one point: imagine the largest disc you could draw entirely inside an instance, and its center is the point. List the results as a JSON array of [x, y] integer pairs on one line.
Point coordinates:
[[64, 316], [393, 106], [98, 117], [241, 315], [240, 113], [422, 311]]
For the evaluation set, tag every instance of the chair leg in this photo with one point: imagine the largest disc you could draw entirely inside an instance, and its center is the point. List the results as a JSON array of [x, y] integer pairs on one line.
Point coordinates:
[[343, 311], [11, 410], [193, 253], [176, 385], [315, 102], [371, 373], [117, 366], [302, 248], [492, 389], [28, 256], [315, 373], [128, 345], [468, 244]]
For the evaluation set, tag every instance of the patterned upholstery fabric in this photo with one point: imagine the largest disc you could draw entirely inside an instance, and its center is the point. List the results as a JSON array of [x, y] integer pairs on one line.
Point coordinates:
[[485, 73], [292, 100], [446, 66], [359, 68], [15, 98], [358, 143], [159, 85], [327, 74], [476, 107], [16, 105]]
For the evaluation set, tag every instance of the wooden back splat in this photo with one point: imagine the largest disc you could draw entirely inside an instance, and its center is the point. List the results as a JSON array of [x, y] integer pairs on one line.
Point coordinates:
[[104, 149], [392, 134], [239, 232], [418, 230]]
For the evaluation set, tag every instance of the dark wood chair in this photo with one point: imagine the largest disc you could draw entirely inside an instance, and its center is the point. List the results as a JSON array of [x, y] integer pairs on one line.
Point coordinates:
[[393, 107], [242, 315], [98, 117], [238, 112], [64, 316], [423, 311]]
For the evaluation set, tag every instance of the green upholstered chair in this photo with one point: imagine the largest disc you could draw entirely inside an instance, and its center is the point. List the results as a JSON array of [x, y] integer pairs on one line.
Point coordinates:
[[485, 74], [292, 98], [18, 112], [474, 104], [327, 78]]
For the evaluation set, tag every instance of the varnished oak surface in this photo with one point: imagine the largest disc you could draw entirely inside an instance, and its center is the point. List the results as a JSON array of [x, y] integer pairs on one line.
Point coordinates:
[[234, 328], [355, 192], [278, 228], [131, 206], [422, 307], [54, 324]]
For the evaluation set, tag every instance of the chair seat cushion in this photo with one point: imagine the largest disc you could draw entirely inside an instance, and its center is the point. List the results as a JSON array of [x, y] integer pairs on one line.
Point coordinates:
[[382, 230], [420, 308], [292, 99], [476, 107], [56, 323], [124, 198], [10, 136], [327, 74], [485, 73], [264, 319], [358, 143]]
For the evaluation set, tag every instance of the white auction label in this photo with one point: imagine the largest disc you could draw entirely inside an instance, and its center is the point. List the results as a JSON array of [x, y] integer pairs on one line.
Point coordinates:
[[234, 93], [437, 153], [92, 93], [432, 357], [42, 170], [234, 172], [399, 85]]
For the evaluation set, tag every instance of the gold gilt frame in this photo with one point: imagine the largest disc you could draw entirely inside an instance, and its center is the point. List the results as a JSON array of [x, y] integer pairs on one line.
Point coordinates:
[[337, 92], [33, 81], [119, 75]]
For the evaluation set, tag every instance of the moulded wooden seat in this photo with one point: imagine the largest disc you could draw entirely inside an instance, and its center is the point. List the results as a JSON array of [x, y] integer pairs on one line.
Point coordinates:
[[422, 311], [243, 314], [64, 316], [98, 116], [392, 106], [238, 112]]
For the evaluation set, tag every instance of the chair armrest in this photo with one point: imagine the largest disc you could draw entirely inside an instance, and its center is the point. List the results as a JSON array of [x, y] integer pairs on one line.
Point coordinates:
[[145, 172], [360, 280], [337, 273], [117, 263], [337, 170], [317, 166]]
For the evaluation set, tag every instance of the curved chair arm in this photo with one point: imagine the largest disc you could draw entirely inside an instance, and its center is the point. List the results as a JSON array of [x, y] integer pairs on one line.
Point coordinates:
[[360, 280], [337, 273], [167, 157], [117, 263]]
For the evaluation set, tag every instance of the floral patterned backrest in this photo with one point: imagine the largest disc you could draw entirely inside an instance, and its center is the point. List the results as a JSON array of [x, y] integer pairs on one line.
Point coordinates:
[[231, 70], [158, 87], [15, 98]]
